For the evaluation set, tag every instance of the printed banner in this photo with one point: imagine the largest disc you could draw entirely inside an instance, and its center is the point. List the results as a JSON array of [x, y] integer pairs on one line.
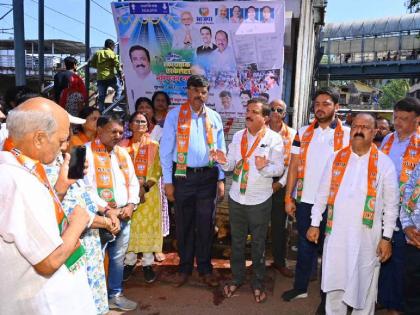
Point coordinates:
[[238, 46]]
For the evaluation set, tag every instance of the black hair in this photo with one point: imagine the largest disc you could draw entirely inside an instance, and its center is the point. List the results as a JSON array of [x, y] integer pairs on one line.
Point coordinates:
[[70, 62], [84, 113], [197, 80], [205, 28], [331, 92], [247, 92], [236, 6], [221, 31], [251, 7], [109, 43], [408, 104], [266, 109], [17, 95], [266, 95], [157, 93], [143, 100], [105, 119], [224, 94], [138, 47]]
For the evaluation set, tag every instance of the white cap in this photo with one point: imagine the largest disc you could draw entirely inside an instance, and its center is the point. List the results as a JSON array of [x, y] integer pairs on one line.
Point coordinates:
[[76, 120]]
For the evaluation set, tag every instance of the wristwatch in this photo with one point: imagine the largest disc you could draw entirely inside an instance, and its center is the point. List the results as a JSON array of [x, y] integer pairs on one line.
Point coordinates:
[[386, 238]]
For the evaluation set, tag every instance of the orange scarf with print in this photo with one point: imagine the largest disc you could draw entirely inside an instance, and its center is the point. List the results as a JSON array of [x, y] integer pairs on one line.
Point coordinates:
[[337, 174], [103, 170], [304, 146], [243, 164], [410, 159], [183, 138], [142, 154], [287, 142]]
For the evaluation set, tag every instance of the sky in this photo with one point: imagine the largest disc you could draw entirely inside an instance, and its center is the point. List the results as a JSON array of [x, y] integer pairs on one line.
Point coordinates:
[[58, 26]]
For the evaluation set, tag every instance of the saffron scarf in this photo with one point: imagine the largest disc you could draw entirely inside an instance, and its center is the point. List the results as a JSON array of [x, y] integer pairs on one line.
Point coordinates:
[[410, 159], [73, 262], [410, 205], [243, 165], [304, 146], [287, 142], [103, 170], [338, 170], [143, 155], [183, 138]]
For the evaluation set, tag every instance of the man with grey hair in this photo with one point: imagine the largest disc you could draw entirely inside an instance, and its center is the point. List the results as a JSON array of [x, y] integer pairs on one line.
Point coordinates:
[[41, 254]]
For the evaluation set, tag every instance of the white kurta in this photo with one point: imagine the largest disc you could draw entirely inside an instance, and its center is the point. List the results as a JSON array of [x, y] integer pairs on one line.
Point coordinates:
[[349, 256]]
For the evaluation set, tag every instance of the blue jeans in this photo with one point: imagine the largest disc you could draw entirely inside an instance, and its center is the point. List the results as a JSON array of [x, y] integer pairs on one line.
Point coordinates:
[[307, 256], [103, 87], [116, 252]]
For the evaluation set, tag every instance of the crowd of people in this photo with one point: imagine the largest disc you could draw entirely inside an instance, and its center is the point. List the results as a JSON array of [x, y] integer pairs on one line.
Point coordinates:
[[352, 189]]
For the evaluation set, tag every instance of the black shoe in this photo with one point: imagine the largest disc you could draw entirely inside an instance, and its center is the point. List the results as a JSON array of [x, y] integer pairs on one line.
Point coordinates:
[[128, 271], [149, 274], [294, 294]]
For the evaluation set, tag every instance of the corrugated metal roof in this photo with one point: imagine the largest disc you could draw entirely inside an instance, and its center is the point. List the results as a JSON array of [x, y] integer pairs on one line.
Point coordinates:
[[407, 22], [61, 46]]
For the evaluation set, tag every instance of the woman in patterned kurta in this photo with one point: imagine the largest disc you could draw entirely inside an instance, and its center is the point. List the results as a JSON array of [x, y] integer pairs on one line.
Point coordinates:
[[77, 195], [146, 222]]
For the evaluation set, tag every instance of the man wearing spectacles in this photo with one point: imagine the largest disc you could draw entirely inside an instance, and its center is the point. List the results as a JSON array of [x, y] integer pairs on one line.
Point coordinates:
[[278, 214], [191, 136]]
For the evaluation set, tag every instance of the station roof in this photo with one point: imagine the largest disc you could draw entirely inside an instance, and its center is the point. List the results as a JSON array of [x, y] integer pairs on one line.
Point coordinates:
[[407, 22], [61, 46]]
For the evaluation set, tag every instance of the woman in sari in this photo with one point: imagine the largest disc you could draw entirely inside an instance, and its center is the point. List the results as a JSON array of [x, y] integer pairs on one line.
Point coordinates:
[[146, 222]]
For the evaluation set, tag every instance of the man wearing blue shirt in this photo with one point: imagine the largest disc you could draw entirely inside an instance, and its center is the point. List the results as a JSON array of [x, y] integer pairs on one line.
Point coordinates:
[[191, 136], [403, 147]]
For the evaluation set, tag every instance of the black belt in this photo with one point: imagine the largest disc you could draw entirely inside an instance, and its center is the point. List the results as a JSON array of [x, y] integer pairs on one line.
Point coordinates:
[[198, 169]]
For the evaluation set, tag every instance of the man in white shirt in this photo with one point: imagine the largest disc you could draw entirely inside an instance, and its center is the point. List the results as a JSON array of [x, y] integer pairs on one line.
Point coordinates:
[[255, 156], [36, 261], [223, 57], [115, 189], [251, 15], [312, 147], [187, 36], [278, 215], [359, 189], [221, 16]]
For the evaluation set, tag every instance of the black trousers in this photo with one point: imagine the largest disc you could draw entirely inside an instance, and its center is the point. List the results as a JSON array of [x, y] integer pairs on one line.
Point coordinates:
[[412, 280], [244, 218], [278, 228], [195, 203]]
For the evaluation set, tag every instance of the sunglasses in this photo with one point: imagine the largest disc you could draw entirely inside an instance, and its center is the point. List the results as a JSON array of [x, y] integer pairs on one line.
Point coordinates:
[[278, 110], [140, 122]]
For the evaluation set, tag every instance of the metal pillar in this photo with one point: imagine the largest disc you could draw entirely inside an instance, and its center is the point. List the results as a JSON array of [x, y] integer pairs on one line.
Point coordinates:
[[41, 43], [19, 41], [87, 43]]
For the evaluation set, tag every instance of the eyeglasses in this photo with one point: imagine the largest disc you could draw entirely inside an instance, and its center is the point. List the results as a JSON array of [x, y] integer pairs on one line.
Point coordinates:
[[140, 122], [278, 110]]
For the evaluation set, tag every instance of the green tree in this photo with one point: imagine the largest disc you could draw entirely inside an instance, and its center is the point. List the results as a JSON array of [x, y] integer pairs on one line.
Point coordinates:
[[413, 5], [393, 91]]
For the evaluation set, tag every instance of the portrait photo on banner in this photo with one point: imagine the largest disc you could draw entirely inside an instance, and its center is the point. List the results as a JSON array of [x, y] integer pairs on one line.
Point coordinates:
[[238, 46]]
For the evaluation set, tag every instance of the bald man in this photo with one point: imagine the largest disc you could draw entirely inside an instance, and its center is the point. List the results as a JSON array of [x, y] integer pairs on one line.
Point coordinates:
[[41, 265]]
